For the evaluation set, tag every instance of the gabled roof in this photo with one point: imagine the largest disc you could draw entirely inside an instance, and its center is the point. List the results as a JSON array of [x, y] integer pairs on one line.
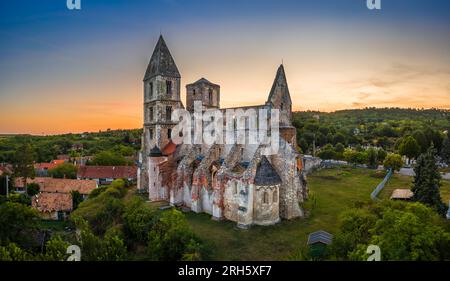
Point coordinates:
[[107, 172], [203, 81], [280, 81], [155, 152], [51, 202], [60, 185], [320, 237], [161, 62], [266, 174]]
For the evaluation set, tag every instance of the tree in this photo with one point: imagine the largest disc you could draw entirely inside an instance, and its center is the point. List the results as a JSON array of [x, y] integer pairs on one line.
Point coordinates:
[[109, 158], [33, 189], [339, 138], [421, 139], [393, 161], [56, 249], [23, 163], [409, 147], [372, 157], [381, 154], [171, 238], [327, 152], [138, 220], [17, 222], [445, 151], [339, 147], [64, 171], [77, 198], [406, 232], [110, 247], [427, 181]]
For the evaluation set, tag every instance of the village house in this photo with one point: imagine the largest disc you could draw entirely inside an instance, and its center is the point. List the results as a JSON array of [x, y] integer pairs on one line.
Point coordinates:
[[54, 200], [43, 168], [104, 175]]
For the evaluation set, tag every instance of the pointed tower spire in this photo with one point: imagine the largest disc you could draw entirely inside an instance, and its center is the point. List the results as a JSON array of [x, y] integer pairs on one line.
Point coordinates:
[[280, 86], [162, 62]]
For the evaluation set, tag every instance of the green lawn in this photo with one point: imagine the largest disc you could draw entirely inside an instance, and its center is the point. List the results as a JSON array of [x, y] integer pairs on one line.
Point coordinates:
[[331, 192]]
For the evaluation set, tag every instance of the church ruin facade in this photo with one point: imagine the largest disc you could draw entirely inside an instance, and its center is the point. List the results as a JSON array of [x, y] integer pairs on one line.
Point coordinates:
[[236, 182]]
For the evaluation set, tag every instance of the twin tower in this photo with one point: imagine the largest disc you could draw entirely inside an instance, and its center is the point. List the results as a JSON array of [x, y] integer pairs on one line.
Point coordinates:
[[162, 89]]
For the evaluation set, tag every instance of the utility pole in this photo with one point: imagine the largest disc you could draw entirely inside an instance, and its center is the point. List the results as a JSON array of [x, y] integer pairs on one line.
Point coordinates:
[[7, 183]]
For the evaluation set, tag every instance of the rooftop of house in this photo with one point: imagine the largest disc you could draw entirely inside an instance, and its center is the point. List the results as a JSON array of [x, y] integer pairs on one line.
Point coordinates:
[[47, 166], [60, 185], [107, 172], [50, 202]]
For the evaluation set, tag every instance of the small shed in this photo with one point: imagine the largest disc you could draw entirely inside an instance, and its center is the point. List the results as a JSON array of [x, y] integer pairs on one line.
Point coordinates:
[[321, 237], [402, 194], [318, 242]]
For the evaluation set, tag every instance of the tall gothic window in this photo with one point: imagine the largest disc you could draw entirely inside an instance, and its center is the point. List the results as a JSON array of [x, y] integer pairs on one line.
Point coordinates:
[[169, 133], [150, 133], [168, 113], [169, 87], [275, 196], [151, 90], [151, 114], [266, 197], [210, 96]]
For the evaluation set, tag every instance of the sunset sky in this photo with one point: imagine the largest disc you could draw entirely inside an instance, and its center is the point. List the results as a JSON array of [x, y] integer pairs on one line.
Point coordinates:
[[74, 71]]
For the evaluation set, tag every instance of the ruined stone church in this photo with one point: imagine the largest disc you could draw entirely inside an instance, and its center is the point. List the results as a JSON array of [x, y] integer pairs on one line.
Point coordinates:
[[228, 181]]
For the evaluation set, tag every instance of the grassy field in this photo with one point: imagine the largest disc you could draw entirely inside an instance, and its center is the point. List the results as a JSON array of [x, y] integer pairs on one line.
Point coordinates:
[[403, 182], [331, 192]]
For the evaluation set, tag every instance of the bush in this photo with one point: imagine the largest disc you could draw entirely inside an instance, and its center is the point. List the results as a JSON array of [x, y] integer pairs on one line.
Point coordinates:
[[393, 161], [171, 239]]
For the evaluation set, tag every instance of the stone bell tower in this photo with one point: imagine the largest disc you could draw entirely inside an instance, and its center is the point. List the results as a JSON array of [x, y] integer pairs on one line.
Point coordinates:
[[161, 98]]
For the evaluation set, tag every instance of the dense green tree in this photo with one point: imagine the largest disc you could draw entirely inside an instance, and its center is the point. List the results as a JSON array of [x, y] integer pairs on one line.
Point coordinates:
[[445, 151], [381, 155], [12, 252], [327, 152], [109, 247], [17, 222], [354, 226], [409, 147], [407, 232], [138, 220], [421, 139], [64, 171], [427, 181], [23, 163], [33, 189], [77, 198], [393, 161], [56, 249], [339, 138], [339, 147], [109, 158], [171, 238], [372, 157]]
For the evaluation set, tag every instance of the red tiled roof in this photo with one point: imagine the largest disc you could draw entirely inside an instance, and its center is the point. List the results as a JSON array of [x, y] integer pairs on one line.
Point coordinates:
[[103, 172], [48, 166], [49, 202], [60, 185], [169, 149]]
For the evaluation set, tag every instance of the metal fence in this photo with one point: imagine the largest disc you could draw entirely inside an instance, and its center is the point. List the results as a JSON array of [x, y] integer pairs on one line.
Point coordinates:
[[380, 186]]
